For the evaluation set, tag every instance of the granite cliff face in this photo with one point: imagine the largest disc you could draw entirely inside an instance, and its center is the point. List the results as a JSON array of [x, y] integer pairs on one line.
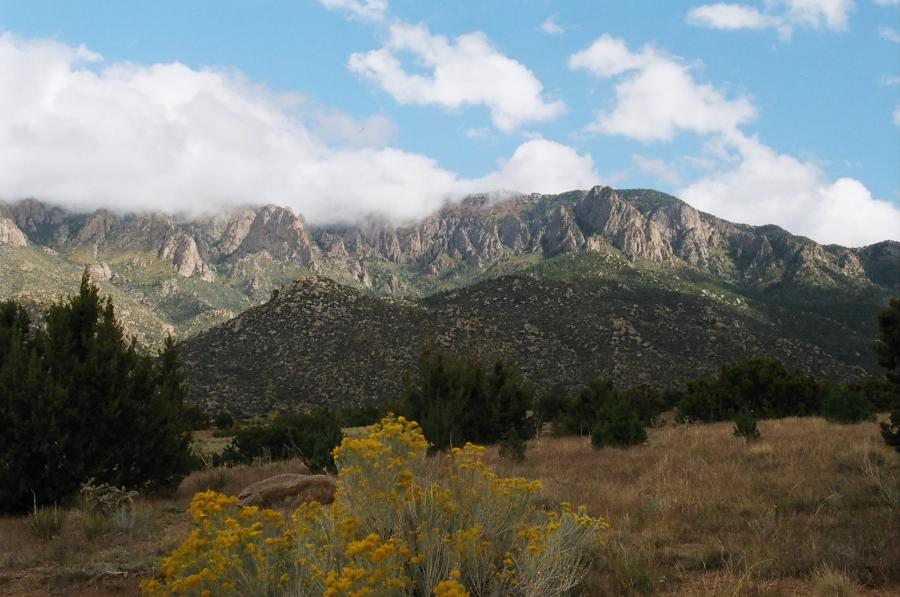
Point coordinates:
[[460, 239], [10, 234]]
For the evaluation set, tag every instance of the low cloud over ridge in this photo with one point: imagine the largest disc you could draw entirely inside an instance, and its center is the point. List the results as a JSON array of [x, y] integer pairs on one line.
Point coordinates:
[[84, 134]]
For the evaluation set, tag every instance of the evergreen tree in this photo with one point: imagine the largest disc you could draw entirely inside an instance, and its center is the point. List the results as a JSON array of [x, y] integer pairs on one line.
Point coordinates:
[[310, 436], [888, 350], [618, 423], [457, 400], [888, 345], [77, 400], [761, 384]]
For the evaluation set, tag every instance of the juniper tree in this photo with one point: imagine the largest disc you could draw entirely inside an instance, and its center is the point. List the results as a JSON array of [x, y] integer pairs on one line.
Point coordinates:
[[888, 350], [78, 401]]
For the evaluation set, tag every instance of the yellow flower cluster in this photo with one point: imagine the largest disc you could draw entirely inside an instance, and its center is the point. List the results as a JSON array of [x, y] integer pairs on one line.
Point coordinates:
[[392, 531]]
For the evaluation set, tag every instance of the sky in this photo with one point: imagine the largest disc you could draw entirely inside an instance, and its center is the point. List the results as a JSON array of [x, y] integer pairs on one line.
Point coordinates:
[[757, 111]]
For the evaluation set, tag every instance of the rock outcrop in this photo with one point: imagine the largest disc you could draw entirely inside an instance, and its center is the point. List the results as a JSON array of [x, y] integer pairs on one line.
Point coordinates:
[[289, 489], [10, 234], [460, 239]]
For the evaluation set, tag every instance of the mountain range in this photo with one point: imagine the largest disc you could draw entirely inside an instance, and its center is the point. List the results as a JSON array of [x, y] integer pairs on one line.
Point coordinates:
[[633, 284]]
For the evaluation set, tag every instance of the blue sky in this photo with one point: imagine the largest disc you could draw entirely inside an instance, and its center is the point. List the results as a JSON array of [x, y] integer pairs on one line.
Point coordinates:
[[783, 111]]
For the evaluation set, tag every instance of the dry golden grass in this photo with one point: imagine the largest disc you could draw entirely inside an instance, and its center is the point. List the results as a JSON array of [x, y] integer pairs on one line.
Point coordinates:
[[699, 512], [805, 511]]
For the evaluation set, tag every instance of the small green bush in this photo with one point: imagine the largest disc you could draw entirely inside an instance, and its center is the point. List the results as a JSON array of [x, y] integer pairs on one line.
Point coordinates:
[[745, 426], [224, 420], [618, 424], [846, 405], [106, 499], [890, 429], [513, 446], [308, 436]]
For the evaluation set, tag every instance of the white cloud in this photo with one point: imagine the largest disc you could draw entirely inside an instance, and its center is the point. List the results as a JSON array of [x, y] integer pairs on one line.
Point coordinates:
[[889, 80], [541, 166], [897, 115], [658, 96], [467, 71], [889, 34], [765, 187], [551, 27], [659, 169], [782, 15], [367, 10], [887, 2], [84, 134], [832, 14], [743, 180], [730, 17]]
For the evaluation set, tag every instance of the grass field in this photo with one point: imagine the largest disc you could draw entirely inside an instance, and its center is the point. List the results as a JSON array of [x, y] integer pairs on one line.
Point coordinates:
[[811, 509]]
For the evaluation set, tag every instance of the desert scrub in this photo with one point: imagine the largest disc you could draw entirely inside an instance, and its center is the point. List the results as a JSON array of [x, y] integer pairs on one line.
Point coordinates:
[[393, 530], [47, 522], [108, 501]]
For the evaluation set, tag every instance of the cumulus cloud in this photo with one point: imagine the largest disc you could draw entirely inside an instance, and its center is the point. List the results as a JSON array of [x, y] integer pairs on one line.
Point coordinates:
[[762, 186], [366, 10], [783, 15], [658, 96], [730, 17], [541, 166], [84, 134], [742, 179], [467, 71], [551, 27]]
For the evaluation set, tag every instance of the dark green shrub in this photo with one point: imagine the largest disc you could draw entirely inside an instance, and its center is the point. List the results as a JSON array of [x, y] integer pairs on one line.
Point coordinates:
[[618, 423], [362, 416], [888, 345], [551, 406], [582, 412], [195, 418], [745, 426], [78, 400], [458, 400], [890, 429], [880, 392], [888, 350], [308, 436], [762, 385], [224, 420], [648, 401], [845, 405], [513, 446]]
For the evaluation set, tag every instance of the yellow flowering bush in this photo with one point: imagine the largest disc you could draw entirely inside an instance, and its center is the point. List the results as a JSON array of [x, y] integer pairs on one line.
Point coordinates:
[[393, 530]]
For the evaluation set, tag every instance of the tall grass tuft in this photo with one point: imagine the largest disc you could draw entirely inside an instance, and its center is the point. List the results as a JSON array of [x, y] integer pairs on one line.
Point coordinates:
[[47, 522]]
